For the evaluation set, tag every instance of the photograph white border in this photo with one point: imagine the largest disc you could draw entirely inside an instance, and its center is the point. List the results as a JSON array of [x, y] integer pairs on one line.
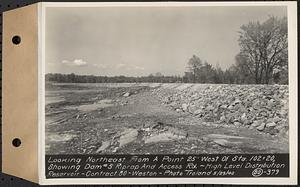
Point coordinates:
[[293, 99]]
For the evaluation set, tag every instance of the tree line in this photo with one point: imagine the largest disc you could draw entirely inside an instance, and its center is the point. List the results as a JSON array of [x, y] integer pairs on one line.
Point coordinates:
[[262, 59], [73, 78]]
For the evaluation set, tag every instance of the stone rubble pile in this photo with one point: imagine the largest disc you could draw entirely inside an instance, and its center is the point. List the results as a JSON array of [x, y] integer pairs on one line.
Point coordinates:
[[149, 133], [260, 107]]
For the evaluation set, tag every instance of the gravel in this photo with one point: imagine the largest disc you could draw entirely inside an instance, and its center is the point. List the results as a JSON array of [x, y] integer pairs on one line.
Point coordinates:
[[260, 107]]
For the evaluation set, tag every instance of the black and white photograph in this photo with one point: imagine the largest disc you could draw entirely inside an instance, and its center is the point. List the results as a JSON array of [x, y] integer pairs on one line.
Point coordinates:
[[166, 80], [151, 93]]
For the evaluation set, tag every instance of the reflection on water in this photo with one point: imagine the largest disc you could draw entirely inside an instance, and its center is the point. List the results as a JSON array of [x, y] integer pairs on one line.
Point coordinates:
[[53, 99], [94, 106]]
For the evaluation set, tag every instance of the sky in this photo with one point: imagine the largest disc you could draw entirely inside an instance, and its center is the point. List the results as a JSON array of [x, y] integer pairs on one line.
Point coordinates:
[[138, 41]]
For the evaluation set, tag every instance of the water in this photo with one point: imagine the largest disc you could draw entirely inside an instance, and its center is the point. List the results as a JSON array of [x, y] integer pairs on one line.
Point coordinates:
[[93, 106], [53, 99]]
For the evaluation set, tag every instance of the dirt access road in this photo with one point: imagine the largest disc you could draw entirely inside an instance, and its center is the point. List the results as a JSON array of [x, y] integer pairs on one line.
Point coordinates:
[[129, 119]]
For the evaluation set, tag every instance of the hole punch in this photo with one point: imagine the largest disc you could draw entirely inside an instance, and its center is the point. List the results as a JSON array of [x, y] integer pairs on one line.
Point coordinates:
[[16, 142], [16, 40]]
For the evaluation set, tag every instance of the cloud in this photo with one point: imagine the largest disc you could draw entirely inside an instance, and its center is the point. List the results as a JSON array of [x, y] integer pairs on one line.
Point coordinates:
[[51, 63], [65, 62], [129, 67], [119, 66], [139, 68], [101, 66], [75, 62], [79, 62]]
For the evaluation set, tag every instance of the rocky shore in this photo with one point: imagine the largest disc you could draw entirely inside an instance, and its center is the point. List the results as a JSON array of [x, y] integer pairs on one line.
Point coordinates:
[[260, 107], [154, 118]]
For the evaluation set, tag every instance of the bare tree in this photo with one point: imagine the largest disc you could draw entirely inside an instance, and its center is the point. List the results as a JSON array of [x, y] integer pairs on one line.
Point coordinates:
[[194, 66], [245, 71], [206, 73], [264, 47]]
